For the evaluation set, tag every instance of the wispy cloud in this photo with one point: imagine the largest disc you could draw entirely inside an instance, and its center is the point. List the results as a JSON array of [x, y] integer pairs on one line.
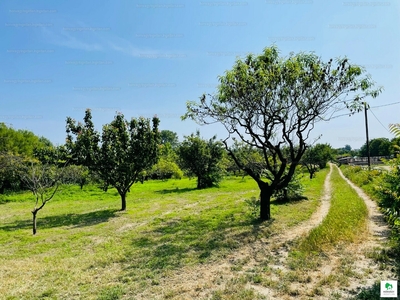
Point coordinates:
[[126, 47], [97, 41], [65, 39]]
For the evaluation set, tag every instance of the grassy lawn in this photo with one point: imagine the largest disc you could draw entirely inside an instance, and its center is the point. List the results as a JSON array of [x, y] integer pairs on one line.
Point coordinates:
[[86, 249]]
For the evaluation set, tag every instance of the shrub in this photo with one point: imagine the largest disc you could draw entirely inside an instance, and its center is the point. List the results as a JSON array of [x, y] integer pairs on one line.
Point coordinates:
[[165, 169], [293, 191], [389, 193]]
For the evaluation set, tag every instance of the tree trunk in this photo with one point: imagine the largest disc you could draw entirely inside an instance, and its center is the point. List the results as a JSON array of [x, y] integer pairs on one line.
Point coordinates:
[[123, 201], [265, 203], [34, 221], [199, 182]]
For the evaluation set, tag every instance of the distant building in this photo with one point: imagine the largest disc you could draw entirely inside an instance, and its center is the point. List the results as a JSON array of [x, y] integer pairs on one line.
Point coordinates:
[[361, 160]]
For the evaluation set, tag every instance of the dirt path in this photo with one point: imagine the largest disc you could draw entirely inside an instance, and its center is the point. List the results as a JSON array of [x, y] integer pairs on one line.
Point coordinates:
[[317, 217], [199, 282], [269, 256]]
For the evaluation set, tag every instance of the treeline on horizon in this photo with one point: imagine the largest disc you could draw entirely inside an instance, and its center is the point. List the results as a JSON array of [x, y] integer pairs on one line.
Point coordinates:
[[24, 147]]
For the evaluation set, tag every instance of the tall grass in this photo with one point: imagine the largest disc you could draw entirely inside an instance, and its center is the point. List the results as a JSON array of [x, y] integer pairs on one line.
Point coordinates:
[[366, 179], [346, 220]]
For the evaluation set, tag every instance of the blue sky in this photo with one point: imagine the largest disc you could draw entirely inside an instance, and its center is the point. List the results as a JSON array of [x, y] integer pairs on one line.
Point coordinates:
[[145, 58]]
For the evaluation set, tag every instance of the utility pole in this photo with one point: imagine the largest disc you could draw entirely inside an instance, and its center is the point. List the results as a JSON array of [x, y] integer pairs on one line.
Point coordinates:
[[366, 130]]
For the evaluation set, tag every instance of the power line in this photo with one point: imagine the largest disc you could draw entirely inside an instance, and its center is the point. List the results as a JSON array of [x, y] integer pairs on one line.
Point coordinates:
[[385, 105], [349, 114], [379, 121]]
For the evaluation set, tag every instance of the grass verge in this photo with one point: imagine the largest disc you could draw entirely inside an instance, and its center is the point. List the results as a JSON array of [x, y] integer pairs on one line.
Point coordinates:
[[346, 220]]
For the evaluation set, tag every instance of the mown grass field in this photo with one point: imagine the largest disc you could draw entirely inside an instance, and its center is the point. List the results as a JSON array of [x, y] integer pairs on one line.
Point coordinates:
[[86, 248]]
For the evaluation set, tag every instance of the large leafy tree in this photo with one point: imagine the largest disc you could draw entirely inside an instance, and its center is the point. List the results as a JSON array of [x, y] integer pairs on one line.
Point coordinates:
[[377, 147], [201, 158], [168, 136], [21, 142], [271, 102], [122, 152]]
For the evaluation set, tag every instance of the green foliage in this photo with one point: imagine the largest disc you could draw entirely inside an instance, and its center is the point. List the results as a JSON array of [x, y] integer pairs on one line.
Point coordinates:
[[12, 169], [270, 103], [388, 192], [165, 169], [346, 151], [126, 149], [74, 174], [367, 179], [254, 206], [170, 137], [52, 155], [316, 157], [21, 142], [395, 146], [294, 190], [377, 147], [247, 157], [395, 129], [9, 176], [201, 158]]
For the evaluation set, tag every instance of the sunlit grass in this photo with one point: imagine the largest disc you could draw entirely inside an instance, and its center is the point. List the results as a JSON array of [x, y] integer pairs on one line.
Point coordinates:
[[86, 248], [346, 220]]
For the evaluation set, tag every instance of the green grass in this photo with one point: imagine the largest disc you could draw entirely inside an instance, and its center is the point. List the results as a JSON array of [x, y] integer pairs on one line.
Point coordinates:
[[364, 178], [390, 254], [86, 248], [346, 220]]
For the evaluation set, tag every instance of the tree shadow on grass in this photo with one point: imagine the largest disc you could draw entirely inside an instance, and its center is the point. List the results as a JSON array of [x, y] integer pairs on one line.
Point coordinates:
[[290, 200], [176, 190], [193, 239], [74, 220]]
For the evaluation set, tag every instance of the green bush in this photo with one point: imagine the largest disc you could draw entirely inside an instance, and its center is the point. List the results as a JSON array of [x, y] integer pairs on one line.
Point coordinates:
[[293, 191], [165, 169], [388, 192]]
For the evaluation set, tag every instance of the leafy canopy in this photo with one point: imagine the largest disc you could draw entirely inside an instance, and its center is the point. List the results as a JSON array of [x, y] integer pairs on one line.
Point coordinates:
[[270, 103]]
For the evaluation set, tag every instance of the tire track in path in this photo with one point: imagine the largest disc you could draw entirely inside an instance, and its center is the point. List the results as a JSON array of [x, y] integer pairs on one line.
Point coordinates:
[[200, 281], [377, 227]]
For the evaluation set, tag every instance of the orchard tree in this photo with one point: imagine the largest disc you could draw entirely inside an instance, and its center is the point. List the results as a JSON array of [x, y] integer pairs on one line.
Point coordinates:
[[201, 158], [122, 152], [44, 182], [271, 102], [74, 174], [316, 157]]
